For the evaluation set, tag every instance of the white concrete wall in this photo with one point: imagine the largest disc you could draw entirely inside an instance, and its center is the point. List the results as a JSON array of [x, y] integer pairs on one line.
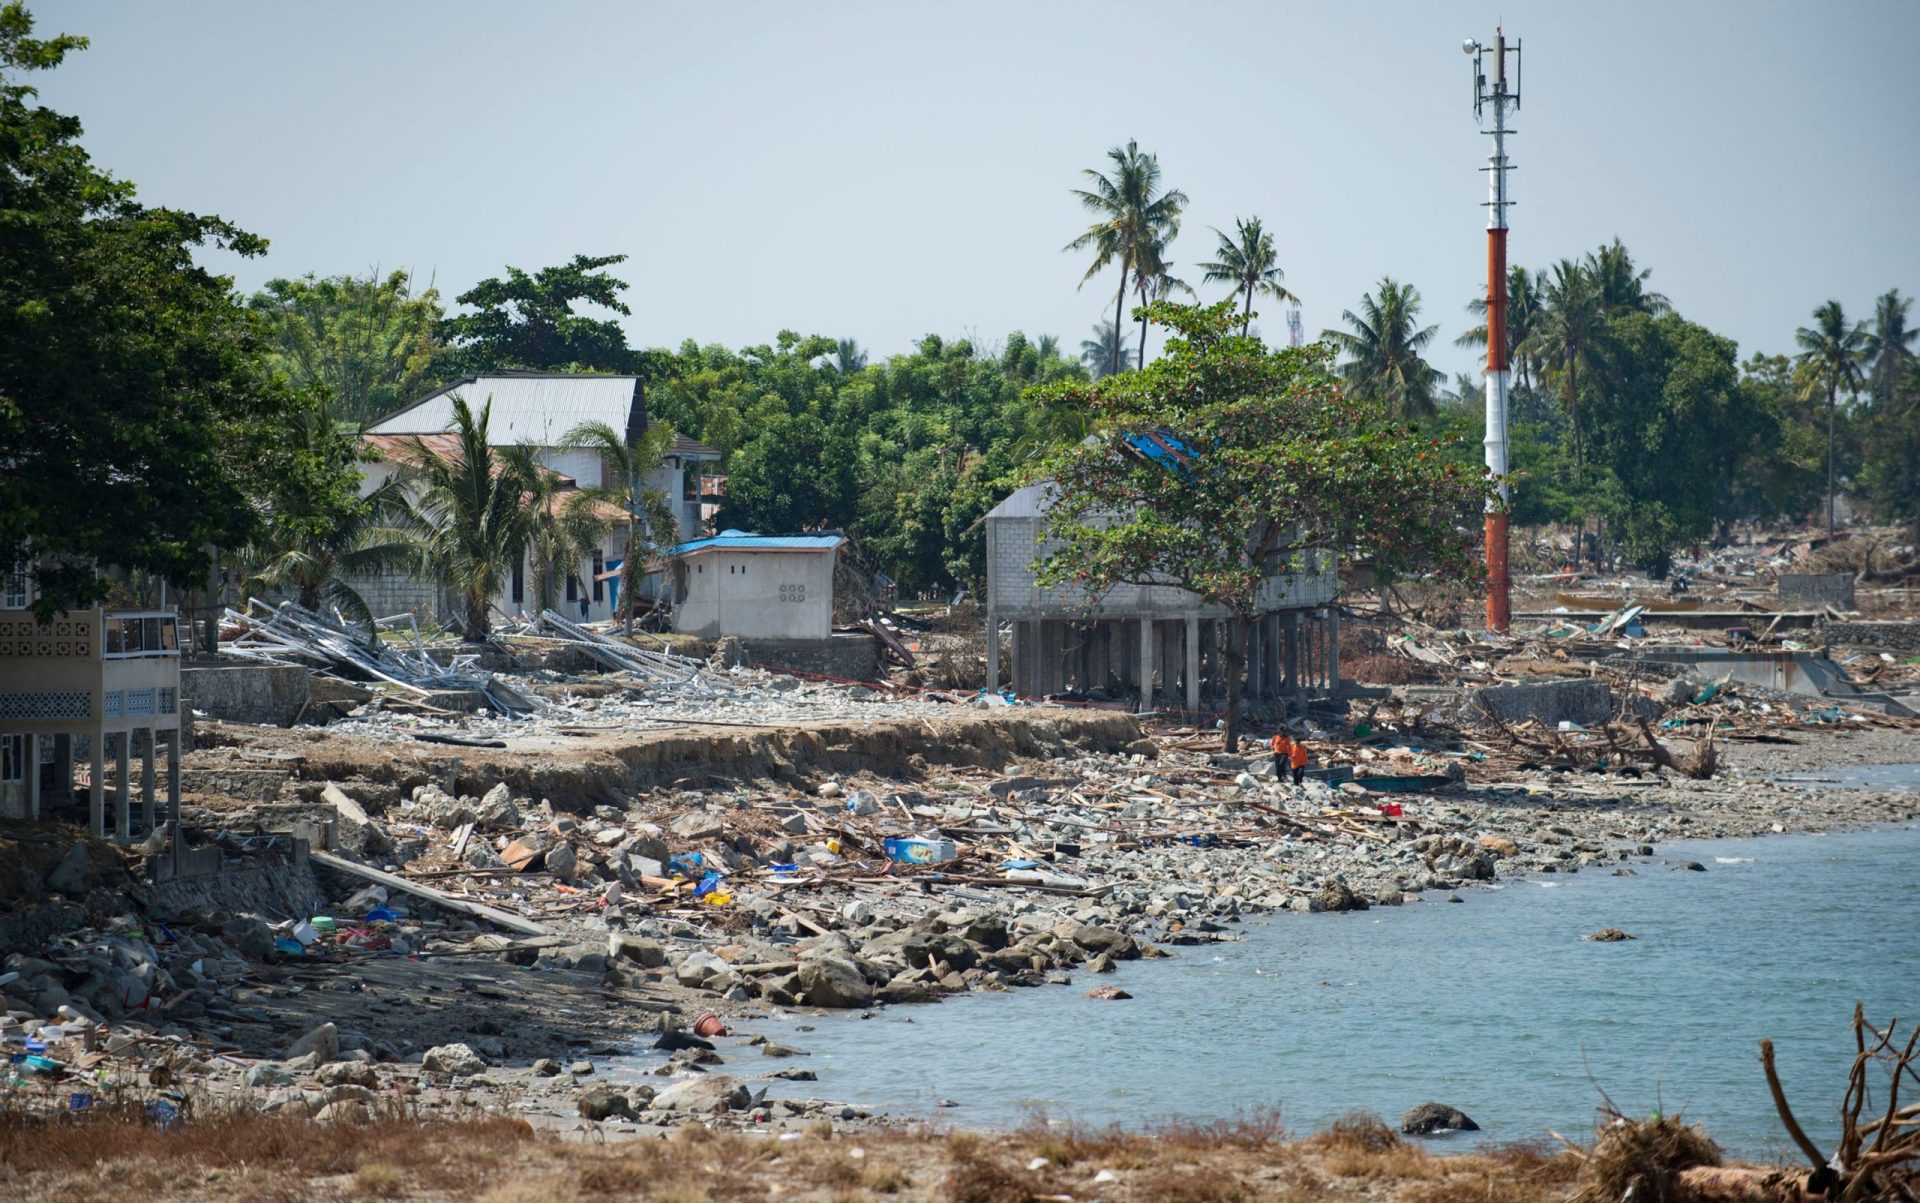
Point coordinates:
[[1013, 544], [758, 595]]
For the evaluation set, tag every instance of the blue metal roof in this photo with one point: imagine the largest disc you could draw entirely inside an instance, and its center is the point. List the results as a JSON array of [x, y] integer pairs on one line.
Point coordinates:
[[739, 540]]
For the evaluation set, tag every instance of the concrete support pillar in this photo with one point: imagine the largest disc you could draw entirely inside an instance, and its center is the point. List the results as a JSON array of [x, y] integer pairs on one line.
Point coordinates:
[[1016, 663], [1193, 663], [32, 800], [1146, 664], [993, 653], [97, 783], [63, 765], [123, 771], [147, 782], [174, 756], [1333, 652]]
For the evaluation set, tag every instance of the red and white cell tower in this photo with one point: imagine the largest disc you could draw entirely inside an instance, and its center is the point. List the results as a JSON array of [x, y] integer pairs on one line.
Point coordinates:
[[1498, 95]]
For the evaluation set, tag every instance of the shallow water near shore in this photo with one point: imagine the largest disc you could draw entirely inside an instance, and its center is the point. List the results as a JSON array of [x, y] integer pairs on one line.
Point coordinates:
[[1495, 1005]]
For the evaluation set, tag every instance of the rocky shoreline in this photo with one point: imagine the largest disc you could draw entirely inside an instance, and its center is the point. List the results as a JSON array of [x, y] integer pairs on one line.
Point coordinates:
[[1069, 864]]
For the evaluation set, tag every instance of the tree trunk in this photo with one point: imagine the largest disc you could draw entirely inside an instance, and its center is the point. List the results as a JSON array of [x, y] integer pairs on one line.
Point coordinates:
[[1119, 308], [476, 619], [1236, 658], [310, 596], [627, 566], [1246, 313], [1143, 334], [1832, 392], [1573, 408]]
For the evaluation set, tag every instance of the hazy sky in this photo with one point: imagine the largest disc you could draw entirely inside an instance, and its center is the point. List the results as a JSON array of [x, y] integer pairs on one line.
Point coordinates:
[[885, 170]]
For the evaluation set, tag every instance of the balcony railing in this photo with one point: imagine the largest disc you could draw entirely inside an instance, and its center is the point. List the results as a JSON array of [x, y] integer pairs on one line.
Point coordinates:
[[135, 633]]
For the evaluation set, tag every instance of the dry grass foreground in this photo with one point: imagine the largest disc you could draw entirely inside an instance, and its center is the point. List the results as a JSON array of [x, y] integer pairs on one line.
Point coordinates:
[[243, 1155]]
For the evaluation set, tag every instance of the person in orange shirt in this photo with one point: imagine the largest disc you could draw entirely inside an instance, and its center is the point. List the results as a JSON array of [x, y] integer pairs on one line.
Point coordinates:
[[1298, 758], [1282, 754]]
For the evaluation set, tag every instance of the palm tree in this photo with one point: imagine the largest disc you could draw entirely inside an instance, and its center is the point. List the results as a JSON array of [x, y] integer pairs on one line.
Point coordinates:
[[1154, 280], [1133, 215], [1523, 313], [1383, 350], [1248, 262], [1047, 347], [564, 525], [1889, 345], [1569, 336], [468, 514], [1101, 351], [315, 566], [1831, 354], [625, 467], [847, 357], [1619, 288]]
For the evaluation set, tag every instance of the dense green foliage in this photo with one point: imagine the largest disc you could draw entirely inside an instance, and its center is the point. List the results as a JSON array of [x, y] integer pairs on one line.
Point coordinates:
[[134, 412], [149, 416], [365, 341], [1269, 460]]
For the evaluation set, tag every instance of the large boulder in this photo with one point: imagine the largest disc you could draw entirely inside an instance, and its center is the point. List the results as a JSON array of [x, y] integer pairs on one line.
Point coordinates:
[[1334, 895], [603, 1102], [706, 1094], [1428, 1118], [323, 1040], [1094, 939], [831, 981], [625, 946], [456, 1059], [496, 810]]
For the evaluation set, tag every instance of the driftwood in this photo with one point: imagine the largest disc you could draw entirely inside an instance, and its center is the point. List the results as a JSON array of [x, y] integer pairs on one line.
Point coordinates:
[[1700, 765]]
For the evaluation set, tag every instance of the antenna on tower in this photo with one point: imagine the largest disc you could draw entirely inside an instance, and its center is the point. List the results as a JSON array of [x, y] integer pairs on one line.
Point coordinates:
[[1294, 337], [1500, 95]]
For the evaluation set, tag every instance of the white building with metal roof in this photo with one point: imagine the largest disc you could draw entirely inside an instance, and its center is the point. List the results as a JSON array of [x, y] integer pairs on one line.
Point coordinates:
[[540, 408]]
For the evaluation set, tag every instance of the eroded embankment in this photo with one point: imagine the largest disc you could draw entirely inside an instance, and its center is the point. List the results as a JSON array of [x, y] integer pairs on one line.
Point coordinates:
[[610, 766]]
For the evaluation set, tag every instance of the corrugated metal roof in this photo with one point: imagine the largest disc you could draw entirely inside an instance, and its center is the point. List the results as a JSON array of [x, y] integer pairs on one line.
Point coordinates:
[[687, 448], [737, 540], [531, 408], [1033, 501]]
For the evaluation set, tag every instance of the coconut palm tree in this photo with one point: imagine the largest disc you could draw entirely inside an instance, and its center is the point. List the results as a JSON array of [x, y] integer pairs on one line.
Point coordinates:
[[315, 566], [1618, 287], [625, 467], [1832, 351], [1101, 351], [1569, 335], [564, 524], [1153, 280], [1889, 345], [1133, 213], [468, 513], [1383, 350], [847, 357], [1248, 261]]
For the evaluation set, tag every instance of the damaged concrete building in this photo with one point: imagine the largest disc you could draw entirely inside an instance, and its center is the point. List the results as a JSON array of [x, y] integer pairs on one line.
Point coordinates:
[[1158, 643], [98, 687]]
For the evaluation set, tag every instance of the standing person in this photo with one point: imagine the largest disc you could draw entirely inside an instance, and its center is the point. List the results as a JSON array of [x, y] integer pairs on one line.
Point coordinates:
[[1282, 754], [1298, 758]]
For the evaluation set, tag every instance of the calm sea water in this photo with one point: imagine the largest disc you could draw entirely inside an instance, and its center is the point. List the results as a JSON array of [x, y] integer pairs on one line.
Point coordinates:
[[1494, 1005]]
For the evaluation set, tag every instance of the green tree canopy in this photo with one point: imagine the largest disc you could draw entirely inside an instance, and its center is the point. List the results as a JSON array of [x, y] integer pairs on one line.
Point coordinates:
[[134, 411], [366, 341], [1277, 461], [527, 322]]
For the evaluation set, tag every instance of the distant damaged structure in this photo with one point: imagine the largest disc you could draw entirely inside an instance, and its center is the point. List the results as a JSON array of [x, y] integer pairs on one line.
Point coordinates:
[[1155, 642]]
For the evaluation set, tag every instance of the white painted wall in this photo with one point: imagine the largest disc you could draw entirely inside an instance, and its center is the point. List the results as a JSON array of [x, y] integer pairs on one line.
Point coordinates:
[[758, 595]]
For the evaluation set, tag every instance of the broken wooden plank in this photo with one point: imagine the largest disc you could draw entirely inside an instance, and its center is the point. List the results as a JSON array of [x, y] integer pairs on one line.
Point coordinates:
[[438, 897]]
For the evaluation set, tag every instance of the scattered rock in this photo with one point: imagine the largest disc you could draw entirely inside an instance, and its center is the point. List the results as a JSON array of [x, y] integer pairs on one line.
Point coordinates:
[[704, 1094], [830, 981], [323, 1042], [1108, 993], [603, 1102], [1611, 935], [73, 874], [1428, 1118]]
